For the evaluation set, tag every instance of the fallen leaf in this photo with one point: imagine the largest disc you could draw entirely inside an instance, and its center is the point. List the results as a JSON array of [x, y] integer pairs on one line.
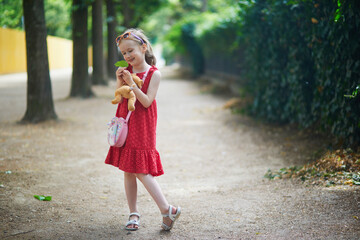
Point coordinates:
[[314, 21], [43, 198], [349, 182]]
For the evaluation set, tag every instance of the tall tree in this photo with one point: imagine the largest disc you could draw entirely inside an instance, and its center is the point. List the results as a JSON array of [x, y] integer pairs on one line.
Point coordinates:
[[112, 49], [80, 81], [40, 106], [98, 76]]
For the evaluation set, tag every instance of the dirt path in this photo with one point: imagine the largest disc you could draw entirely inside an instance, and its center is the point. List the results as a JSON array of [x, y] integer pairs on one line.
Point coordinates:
[[214, 165]]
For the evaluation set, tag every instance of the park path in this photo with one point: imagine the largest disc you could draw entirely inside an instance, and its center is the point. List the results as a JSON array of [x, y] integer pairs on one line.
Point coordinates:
[[214, 164]]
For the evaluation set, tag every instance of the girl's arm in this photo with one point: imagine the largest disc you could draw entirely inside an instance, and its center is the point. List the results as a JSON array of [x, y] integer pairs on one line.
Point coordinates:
[[147, 99]]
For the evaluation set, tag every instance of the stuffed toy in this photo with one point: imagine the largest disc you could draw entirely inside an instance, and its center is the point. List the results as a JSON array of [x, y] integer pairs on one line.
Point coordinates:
[[126, 92]]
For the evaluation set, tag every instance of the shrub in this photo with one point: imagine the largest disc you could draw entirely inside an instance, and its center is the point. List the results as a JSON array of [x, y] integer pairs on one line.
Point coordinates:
[[301, 59]]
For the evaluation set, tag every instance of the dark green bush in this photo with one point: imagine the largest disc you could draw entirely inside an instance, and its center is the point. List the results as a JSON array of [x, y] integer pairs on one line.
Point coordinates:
[[301, 58], [279, 65], [220, 47], [193, 48], [336, 53]]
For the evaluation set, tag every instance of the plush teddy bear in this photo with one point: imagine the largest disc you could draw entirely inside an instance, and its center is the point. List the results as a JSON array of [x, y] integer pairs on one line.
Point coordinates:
[[126, 92]]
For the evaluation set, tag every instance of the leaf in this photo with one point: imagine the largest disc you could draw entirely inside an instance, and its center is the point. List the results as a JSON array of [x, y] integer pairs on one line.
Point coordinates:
[[314, 20], [121, 63], [356, 182], [337, 15], [42, 197]]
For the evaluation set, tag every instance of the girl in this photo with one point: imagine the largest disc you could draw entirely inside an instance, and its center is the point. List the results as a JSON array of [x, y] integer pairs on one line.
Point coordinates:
[[138, 158]]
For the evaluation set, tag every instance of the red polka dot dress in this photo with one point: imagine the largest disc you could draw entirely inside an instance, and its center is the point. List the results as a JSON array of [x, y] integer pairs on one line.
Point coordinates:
[[139, 154]]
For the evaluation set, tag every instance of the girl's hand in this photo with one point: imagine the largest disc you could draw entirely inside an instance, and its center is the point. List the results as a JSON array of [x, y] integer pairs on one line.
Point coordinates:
[[127, 77], [119, 74]]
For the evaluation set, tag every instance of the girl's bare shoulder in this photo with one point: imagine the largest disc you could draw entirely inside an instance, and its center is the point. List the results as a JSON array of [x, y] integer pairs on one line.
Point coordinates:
[[156, 75]]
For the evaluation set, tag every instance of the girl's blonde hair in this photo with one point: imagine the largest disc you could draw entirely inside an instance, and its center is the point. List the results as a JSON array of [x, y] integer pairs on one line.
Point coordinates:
[[149, 55]]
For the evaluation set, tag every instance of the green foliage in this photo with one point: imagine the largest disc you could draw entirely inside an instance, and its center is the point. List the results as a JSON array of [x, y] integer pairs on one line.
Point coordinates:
[[58, 18], [133, 12], [337, 65], [193, 48], [298, 60], [182, 39], [301, 59], [220, 45], [11, 14], [276, 55], [191, 20], [354, 93]]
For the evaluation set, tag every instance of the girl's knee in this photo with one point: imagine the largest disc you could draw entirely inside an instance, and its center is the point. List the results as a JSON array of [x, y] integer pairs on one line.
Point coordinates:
[[141, 176], [127, 174]]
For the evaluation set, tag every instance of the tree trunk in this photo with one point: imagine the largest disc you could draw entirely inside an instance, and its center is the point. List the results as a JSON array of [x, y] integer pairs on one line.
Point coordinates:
[[40, 105], [98, 77], [80, 81], [113, 55]]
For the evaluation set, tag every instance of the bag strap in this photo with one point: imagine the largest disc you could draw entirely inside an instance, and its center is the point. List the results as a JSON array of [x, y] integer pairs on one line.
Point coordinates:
[[143, 79], [128, 116]]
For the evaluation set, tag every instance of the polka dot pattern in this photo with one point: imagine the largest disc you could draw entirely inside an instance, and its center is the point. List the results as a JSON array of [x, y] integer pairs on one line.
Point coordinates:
[[139, 154]]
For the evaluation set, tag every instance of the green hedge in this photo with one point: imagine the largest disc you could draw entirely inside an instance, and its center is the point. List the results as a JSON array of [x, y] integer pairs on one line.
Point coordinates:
[[302, 57], [299, 59], [220, 47]]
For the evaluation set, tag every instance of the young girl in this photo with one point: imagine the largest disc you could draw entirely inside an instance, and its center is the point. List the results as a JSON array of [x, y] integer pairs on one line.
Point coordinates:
[[138, 158]]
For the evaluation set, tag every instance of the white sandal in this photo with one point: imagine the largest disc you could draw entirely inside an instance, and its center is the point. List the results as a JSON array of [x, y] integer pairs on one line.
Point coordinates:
[[173, 218], [134, 222]]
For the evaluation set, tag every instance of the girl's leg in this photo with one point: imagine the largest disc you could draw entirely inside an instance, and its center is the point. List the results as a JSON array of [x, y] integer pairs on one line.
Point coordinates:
[[131, 194], [153, 187]]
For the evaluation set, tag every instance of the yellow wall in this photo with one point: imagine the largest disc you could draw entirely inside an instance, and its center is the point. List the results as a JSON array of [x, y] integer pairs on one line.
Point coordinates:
[[59, 52], [13, 52]]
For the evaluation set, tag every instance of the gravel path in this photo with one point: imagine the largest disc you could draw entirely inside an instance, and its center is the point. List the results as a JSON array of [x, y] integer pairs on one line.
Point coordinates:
[[214, 164]]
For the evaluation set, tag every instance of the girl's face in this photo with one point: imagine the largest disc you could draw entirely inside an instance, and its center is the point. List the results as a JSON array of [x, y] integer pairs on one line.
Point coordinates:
[[132, 52]]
